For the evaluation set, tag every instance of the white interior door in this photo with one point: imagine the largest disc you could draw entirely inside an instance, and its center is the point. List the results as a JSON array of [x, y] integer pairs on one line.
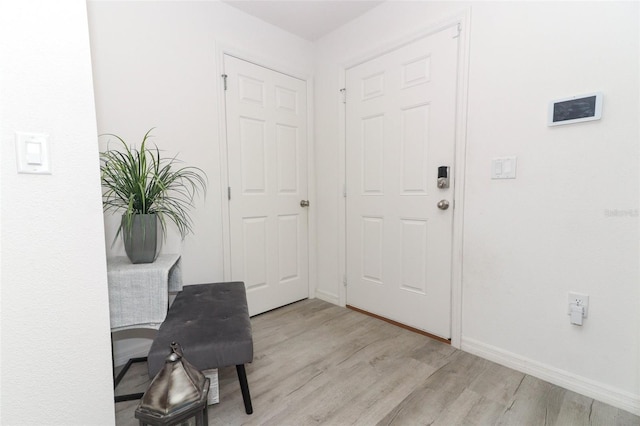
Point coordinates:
[[400, 113], [267, 160]]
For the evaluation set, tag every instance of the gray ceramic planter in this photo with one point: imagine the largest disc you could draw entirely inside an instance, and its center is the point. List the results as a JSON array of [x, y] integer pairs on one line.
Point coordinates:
[[141, 242]]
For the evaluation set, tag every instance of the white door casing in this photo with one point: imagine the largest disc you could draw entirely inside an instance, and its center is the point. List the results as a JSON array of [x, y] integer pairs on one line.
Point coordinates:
[[266, 122], [400, 127]]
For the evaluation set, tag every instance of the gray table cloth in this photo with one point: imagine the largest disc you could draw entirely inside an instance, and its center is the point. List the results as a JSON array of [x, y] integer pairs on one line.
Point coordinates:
[[139, 294]]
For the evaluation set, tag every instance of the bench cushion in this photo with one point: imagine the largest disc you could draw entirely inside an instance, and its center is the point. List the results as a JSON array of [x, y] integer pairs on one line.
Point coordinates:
[[211, 322]]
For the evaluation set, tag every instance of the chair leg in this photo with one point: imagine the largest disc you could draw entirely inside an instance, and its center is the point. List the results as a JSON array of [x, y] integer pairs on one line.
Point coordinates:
[[244, 386]]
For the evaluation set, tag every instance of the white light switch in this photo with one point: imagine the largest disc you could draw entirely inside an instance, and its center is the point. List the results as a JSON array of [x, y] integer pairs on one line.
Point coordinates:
[[32, 152], [503, 168], [497, 168]]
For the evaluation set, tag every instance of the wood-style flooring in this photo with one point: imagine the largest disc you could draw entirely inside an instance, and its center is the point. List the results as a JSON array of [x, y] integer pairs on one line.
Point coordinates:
[[317, 363]]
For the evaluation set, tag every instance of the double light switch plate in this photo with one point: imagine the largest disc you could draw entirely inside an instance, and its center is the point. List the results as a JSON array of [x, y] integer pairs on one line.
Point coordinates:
[[503, 168]]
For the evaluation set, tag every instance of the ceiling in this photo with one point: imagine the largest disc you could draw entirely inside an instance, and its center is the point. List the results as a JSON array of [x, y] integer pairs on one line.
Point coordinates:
[[309, 19]]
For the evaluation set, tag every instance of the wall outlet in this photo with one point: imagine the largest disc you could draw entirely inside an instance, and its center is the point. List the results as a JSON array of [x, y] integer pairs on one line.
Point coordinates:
[[579, 300]]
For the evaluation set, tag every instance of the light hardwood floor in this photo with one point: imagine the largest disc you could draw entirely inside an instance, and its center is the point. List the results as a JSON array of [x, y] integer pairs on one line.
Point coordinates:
[[316, 363]]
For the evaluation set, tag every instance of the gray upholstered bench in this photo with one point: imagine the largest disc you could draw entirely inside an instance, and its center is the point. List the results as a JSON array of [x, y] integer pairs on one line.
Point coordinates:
[[211, 323]]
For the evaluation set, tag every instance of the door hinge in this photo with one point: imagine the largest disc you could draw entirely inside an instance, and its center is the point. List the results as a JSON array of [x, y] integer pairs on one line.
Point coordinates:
[[458, 30], [229, 193], [224, 80], [344, 95], [344, 190]]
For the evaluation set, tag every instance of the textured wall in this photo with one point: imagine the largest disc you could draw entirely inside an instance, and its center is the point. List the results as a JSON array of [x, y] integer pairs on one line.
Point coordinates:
[[554, 229], [56, 357], [159, 67]]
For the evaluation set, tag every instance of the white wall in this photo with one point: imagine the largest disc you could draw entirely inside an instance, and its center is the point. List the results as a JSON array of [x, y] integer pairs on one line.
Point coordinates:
[[155, 64], [528, 241], [56, 358]]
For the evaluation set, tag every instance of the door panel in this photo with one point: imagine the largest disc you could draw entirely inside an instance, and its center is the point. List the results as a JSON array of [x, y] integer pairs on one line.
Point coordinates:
[[267, 157], [400, 129]]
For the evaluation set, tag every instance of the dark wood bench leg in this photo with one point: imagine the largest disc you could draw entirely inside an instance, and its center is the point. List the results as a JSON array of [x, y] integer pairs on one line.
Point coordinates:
[[244, 386]]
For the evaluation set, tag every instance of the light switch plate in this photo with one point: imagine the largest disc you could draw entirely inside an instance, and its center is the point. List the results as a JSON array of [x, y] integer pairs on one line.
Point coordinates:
[[503, 168], [32, 153]]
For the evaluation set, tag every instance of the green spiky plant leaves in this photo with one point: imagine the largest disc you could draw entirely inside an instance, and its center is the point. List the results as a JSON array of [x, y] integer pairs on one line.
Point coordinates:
[[140, 181]]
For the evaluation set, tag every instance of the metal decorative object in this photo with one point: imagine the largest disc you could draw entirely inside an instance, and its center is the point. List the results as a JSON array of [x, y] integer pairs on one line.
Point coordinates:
[[176, 394]]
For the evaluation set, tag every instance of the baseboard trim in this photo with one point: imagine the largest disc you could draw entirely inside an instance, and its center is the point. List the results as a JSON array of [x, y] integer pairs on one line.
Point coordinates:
[[327, 297], [591, 388]]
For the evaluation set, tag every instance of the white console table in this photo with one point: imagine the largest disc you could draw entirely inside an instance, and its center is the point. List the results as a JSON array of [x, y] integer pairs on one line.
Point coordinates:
[[139, 294]]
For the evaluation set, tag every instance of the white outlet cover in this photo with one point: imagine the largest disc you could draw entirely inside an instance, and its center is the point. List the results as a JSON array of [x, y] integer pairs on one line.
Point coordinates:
[[583, 300]]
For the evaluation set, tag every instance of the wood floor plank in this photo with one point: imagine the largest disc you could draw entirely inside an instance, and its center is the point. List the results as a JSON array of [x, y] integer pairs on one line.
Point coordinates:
[[535, 402], [575, 410], [429, 400], [470, 408], [392, 388], [317, 363], [497, 383], [602, 414], [366, 369]]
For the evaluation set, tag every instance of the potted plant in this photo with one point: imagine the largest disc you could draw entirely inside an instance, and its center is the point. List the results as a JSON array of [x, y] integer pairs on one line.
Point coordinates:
[[148, 189]]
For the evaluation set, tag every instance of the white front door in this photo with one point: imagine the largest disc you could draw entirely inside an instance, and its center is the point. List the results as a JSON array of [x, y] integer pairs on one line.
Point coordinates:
[[400, 111], [267, 161]]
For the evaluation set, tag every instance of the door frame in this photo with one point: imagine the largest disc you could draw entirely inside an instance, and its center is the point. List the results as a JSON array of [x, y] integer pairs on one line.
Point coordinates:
[[222, 49], [463, 19]]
